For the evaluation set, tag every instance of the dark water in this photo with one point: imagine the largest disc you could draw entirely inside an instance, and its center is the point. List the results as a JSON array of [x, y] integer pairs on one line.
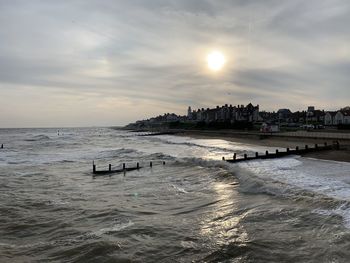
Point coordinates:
[[195, 208]]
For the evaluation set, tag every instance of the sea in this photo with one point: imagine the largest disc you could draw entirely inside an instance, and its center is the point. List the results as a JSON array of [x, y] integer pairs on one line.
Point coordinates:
[[193, 208]]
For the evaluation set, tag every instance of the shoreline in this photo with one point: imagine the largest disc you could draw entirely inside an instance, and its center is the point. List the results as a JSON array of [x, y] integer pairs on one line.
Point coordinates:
[[341, 155]]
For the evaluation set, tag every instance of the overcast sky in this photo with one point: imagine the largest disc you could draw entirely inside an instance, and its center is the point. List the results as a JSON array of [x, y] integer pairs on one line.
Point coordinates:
[[99, 62]]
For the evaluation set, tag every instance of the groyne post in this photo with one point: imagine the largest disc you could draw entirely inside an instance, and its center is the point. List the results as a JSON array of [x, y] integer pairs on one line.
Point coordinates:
[[163, 162], [306, 147], [2, 146], [93, 167], [109, 167], [223, 158], [276, 151], [137, 166], [123, 166], [234, 156], [245, 156], [325, 144], [287, 150], [297, 149], [150, 164], [256, 154], [316, 145], [267, 153]]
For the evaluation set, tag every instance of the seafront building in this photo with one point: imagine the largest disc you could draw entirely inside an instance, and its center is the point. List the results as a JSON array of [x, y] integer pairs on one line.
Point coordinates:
[[249, 116], [225, 113], [337, 117]]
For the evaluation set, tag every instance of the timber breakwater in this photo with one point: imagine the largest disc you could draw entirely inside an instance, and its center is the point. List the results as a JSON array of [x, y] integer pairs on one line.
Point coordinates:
[[123, 169], [278, 154]]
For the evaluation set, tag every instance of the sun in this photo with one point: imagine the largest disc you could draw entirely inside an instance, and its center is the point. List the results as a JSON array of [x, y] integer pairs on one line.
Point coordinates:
[[216, 60]]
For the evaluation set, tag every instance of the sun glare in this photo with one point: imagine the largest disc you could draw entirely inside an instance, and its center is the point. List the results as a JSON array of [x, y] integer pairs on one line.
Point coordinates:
[[215, 60]]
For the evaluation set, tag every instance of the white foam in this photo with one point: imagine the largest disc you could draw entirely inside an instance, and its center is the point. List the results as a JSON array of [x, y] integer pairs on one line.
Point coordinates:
[[188, 244], [179, 189], [321, 177], [342, 211], [115, 228], [327, 178]]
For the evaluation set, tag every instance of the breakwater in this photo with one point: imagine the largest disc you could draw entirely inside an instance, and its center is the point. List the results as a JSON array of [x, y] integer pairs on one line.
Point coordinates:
[[278, 154]]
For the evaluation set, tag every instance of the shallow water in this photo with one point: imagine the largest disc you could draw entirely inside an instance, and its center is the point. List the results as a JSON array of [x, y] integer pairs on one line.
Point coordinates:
[[195, 208]]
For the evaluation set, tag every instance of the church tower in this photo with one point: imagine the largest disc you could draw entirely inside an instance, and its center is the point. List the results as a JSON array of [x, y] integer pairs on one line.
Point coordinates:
[[189, 113]]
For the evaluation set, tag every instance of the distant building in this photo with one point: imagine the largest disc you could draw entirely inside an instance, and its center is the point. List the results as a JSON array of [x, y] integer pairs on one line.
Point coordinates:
[[227, 113], [329, 118], [342, 117], [284, 115], [189, 113], [268, 128], [337, 117], [249, 114], [315, 116], [311, 109], [298, 117], [171, 117]]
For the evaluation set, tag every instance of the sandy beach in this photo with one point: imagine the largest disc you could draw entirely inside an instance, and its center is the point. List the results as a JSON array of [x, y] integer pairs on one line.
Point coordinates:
[[342, 155]]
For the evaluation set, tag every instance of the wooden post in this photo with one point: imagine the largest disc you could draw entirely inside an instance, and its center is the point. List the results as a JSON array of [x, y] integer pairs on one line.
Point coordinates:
[[93, 168], [287, 150], [234, 156], [267, 153], [223, 158], [297, 148], [245, 156], [2, 146], [256, 154], [276, 151], [163, 162], [123, 166], [306, 147], [337, 145], [137, 165], [150, 164], [316, 145], [110, 167], [325, 144]]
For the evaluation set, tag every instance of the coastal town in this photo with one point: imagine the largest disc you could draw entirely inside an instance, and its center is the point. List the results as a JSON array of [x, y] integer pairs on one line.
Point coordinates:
[[250, 117]]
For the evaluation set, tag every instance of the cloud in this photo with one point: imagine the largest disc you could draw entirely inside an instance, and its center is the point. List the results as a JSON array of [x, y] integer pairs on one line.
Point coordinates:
[[111, 62]]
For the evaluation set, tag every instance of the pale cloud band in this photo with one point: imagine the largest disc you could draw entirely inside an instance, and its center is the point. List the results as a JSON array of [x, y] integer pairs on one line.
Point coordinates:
[[77, 63]]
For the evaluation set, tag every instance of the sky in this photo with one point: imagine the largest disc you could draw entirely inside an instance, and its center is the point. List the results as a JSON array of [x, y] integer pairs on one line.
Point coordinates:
[[111, 62]]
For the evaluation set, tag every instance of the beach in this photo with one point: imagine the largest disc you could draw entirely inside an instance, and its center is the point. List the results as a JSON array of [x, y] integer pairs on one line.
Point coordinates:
[[343, 154]]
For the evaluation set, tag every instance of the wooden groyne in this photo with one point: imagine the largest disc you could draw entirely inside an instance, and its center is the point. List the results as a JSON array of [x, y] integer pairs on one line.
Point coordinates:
[[287, 152], [123, 169]]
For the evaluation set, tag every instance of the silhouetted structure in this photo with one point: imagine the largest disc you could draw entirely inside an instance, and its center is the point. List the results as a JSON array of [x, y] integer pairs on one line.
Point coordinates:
[[226, 113]]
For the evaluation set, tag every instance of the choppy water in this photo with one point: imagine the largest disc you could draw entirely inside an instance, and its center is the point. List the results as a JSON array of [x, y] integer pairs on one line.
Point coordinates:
[[195, 208]]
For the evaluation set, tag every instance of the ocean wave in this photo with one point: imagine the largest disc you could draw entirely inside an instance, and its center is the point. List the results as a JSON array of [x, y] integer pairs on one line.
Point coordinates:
[[217, 146], [17, 162], [284, 178], [191, 144], [122, 152], [40, 137], [343, 210], [113, 229], [208, 163], [179, 189], [159, 155], [285, 175], [57, 202]]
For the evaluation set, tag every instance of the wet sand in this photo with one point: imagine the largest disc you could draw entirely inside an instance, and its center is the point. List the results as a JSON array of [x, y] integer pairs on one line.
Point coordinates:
[[342, 155]]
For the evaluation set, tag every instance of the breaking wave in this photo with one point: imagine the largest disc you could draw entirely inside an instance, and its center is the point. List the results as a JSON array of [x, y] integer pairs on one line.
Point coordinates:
[[36, 138]]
